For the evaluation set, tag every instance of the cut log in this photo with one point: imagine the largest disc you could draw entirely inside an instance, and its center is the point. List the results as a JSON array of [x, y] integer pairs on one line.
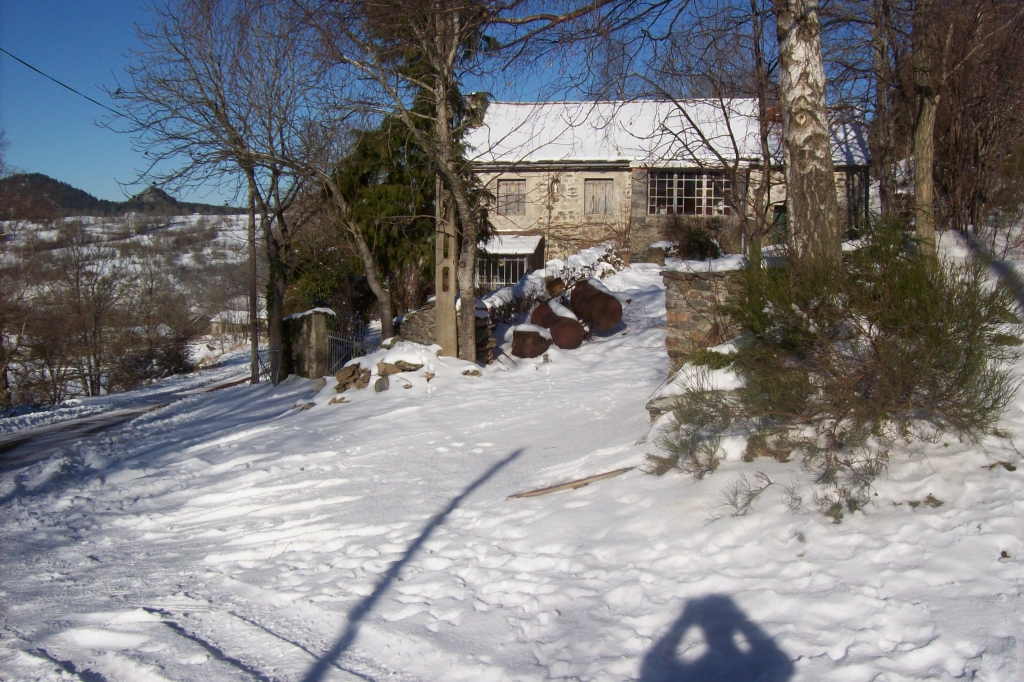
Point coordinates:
[[571, 485], [529, 344]]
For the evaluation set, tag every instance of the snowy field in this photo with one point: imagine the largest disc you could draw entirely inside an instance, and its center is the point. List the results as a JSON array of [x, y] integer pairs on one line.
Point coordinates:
[[237, 536]]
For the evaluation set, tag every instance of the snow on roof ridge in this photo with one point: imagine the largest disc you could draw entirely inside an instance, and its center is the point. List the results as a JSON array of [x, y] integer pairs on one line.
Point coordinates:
[[624, 101], [637, 132]]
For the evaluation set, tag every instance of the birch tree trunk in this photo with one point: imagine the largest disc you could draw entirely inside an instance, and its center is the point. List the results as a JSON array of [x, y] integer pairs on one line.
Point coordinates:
[[445, 271], [811, 205]]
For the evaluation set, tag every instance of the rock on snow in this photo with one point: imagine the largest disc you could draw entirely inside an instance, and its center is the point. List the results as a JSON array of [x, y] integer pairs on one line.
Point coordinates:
[[228, 536]]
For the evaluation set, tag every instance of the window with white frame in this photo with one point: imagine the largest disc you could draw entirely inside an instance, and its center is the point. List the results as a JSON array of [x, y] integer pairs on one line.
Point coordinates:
[[511, 197], [597, 197], [688, 193], [494, 271]]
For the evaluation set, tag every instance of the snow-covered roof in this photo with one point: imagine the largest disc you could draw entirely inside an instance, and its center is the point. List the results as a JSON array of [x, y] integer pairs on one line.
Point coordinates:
[[322, 311], [507, 245], [641, 133]]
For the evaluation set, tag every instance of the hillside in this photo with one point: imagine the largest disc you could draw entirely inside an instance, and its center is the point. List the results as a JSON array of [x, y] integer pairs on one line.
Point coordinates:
[[34, 196]]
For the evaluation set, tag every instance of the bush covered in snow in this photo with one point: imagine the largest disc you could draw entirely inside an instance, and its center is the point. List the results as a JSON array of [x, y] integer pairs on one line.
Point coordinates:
[[839, 362]]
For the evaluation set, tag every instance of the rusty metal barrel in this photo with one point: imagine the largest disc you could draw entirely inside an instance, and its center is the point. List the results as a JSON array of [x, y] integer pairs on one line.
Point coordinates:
[[600, 310], [566, 333]]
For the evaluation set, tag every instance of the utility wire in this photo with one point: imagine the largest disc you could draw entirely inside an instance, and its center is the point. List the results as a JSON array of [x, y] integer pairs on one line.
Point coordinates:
[[63, 85]]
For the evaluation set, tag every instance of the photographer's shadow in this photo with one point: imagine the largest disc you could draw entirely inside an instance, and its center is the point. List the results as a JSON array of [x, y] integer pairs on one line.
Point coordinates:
[[720, 645]]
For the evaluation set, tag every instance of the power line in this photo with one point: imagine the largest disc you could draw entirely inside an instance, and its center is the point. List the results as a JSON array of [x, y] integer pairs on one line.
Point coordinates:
[[63, 85]]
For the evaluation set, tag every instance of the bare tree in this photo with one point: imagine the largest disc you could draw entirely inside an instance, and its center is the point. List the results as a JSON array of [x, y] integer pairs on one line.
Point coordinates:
[[212, 96], [89, 283], [924, 53], [233, 86], [3, 153], [15, 309], [426, 51], [720, 66], [979, 127]]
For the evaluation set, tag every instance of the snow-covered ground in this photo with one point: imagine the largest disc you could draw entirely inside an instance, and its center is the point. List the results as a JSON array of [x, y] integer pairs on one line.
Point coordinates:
[[218, 367], [237, 536]]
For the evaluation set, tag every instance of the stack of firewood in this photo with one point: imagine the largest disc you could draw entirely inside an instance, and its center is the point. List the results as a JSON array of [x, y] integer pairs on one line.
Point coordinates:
[[485, 343]]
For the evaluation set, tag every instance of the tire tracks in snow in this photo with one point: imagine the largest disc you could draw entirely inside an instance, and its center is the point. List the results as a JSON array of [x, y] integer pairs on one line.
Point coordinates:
[[86, 675], [299, 646], [217, 650], [214, 650]]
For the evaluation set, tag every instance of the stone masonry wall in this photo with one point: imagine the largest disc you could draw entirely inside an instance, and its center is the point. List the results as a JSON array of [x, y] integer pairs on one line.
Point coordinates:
[[305, 344], [692, 322], [419, 326]]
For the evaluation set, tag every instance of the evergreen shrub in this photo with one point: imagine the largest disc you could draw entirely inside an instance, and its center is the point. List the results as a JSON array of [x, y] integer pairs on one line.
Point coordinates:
[[694, 239], [840, 361]]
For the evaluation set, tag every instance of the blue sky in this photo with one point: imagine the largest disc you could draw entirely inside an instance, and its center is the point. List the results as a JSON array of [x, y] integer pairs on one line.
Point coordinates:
[[50, 130], [85, 43]]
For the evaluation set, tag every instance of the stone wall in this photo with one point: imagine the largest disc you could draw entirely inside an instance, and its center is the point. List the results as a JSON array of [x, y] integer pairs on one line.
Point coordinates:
[[419, 326], [692, 322], [304, 337], [555, 207]]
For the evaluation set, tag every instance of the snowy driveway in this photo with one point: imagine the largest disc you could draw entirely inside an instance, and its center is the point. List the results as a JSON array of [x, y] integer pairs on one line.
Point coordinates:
[[232, 537]]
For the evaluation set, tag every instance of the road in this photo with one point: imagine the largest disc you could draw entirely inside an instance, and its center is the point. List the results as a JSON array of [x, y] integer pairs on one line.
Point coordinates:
[[22, 448]]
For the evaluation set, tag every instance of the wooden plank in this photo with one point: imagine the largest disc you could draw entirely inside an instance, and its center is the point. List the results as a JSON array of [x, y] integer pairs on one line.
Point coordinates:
[[571, 485]]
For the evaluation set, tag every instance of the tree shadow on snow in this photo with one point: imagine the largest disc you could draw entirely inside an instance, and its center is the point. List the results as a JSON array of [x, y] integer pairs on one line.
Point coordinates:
[[1003, 270], [714, 641], [361, 610]]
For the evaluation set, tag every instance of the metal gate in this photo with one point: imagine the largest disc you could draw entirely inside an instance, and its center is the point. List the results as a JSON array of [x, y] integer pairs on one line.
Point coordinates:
[[270, 364], [341, 349]]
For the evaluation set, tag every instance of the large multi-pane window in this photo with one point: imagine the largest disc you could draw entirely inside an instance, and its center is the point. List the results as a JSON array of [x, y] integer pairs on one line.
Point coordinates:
[[688, 193], [511, 197], [597, 197]]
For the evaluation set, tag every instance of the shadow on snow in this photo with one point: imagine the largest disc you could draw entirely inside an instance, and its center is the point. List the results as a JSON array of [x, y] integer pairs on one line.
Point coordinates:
[[714, 641], [361, 610]]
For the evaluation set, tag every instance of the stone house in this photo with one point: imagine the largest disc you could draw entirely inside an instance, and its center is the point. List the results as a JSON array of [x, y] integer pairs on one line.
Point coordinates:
[[580, 173]]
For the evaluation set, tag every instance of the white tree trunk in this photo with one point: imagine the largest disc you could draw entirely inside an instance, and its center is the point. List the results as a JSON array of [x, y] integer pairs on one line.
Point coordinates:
[[811, 205]]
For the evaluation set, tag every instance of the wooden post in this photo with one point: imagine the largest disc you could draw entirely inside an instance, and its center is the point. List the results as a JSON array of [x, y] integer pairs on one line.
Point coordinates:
[[445, 271], [254, 314]]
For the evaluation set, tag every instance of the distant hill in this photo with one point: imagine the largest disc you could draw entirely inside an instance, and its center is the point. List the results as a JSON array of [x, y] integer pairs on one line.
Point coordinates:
[[34, 196]]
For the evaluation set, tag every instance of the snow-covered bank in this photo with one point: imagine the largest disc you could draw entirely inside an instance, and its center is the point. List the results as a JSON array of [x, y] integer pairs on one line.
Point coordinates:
[[230, 536], [227, 366]]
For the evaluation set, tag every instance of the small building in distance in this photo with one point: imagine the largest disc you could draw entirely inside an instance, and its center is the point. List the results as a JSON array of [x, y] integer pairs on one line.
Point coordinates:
[[582, 173]]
